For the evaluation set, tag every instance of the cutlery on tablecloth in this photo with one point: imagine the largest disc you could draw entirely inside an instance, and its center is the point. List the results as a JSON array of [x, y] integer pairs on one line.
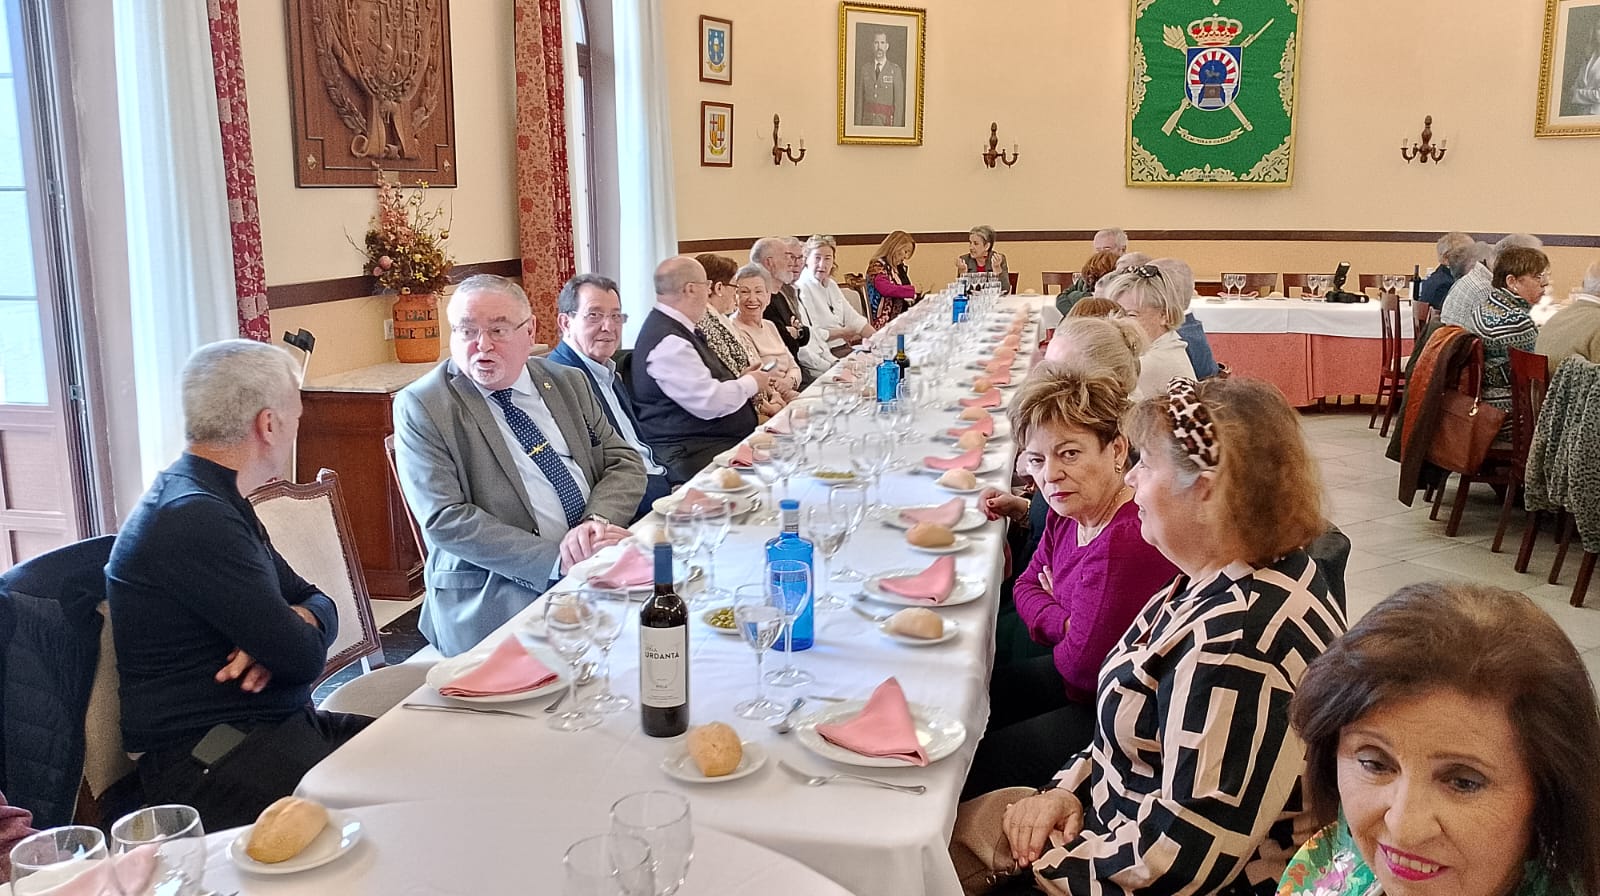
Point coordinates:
[[869, 615], [786, 724], [473, 710], [819, 780]]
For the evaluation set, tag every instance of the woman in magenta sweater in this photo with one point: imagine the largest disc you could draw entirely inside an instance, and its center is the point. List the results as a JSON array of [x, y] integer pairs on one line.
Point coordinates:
[[1091, 575]]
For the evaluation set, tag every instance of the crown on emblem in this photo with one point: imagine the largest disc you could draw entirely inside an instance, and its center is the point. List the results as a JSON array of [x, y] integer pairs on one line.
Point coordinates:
[[1215, 31]]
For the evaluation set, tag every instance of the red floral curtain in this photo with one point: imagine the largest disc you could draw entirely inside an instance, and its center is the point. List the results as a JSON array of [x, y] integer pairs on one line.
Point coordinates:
[[249, 274], [544, 196]]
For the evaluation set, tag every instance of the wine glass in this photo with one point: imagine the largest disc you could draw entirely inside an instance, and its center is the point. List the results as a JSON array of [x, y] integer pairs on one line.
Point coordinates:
[[177, 838], [683, 533], [609, 865], [759, 623], [802, 424], [765, 463], [789, 588], [569, 628], [1234, 283], [827, 529], [714, 518], [851, 501], [47, 861], [661, 820], [787, 452], [611, 612]]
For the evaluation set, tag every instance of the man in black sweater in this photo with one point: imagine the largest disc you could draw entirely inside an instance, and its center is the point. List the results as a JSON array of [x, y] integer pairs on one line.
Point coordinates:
[[218, 640]]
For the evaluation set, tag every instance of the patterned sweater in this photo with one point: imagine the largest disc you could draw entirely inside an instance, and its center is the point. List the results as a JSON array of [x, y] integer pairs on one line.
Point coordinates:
[[1502, 321], [1192, 783]]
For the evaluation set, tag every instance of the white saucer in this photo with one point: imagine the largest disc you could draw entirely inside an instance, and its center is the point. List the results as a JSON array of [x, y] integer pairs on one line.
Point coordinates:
[[962, 491], [962, 542], [679, 765], [951, 630], [989, 464], [705, 618], [970, 519], [338, 837]]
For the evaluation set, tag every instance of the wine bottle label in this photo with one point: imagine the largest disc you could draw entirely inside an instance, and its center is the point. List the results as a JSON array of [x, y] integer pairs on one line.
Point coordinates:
[[664, 666]]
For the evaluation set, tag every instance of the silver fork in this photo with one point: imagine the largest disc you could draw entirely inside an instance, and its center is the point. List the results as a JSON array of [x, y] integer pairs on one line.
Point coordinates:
[[471, 710], [869, 615], [819, 780]]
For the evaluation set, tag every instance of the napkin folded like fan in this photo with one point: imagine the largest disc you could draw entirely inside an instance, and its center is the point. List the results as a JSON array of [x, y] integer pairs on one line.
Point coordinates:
[[694, 499], [946, 514], [989, 399], [883, 727], [966, 461], [133, 871], [744, 456], [510, 669], [631, 570], [931, 586], [985, 426]]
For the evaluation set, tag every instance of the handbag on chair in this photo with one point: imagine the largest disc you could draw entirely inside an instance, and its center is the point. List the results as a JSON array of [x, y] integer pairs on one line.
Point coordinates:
[[1467, 427], [978, 845]]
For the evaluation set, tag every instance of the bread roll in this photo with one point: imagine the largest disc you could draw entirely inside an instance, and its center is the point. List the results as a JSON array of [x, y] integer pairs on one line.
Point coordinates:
[[982, 384], [715, 749], [729, 479], [971, 440], [917, 622], [285, 829], [974, 414], [931, 535], [761, 439], [961, 479]]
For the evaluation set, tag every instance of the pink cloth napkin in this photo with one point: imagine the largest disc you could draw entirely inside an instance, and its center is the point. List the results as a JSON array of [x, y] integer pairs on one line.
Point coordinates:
[[989, 399], [1001, 377], [985, 426], [846, 375], [510, 669], [133, 870], [743, 456], [779, 425], [966, 461], [694, 498], [632, 569], [932, 586], [883, 727], [946, 514]]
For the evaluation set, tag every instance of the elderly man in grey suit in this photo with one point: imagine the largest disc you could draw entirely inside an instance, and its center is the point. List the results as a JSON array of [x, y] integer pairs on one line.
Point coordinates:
[[510, 466]]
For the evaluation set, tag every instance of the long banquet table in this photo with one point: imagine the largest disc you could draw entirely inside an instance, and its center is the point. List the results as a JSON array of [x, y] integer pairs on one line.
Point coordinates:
[[867, 839]]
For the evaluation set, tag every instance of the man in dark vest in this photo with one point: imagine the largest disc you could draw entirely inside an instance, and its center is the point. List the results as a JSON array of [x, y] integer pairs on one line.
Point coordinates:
[[591, 320], [690, 406]]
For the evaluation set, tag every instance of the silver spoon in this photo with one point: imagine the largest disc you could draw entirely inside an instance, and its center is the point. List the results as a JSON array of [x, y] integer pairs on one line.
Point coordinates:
[[819, 780], [786, 724]]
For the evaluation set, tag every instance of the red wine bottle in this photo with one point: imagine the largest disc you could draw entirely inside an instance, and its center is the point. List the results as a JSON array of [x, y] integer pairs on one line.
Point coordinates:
[[664, 655]]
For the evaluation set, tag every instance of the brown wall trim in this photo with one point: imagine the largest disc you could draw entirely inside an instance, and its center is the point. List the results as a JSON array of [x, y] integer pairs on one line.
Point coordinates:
[[742, 244], [296, 295]]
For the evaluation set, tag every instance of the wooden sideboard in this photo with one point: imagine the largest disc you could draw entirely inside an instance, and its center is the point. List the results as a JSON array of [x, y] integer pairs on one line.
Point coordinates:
[[345, 420]]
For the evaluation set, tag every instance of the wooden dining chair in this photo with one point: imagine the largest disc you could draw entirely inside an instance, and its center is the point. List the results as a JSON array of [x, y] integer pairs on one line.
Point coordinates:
[[1262, 285], [1504, 466], [1295, 281], [1011, 276], [1208, 287], [411, 518], [1061, 279], [1391, 375]]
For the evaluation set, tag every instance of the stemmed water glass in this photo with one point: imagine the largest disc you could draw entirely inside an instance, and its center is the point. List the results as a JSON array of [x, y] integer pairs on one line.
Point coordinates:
[[850, 501], [569, 629], [714, 519], [683, 532], [178, 839], [759, 622], [661, 820], [827, 529], [787, 451], [611, 613], [47, 861], [1392, 284], [802, 423], [609, 865], [789, 585], [765, 462], [1233, 284]]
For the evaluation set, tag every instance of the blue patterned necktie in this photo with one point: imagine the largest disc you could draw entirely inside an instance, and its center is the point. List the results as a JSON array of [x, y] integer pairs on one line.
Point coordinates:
[[539, 448]]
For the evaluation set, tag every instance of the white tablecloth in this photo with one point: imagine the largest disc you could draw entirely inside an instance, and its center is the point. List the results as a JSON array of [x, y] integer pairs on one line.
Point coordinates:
[[1360, 321], [869, 840], [491, 847]]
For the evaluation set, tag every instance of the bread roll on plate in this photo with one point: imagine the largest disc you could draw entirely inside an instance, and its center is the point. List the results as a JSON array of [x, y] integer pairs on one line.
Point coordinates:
[[931, 535], [975, 414], [959, 479], [727, 479], [982, 384], [285, 829], [971, 440], [917, 622], [715, 749]]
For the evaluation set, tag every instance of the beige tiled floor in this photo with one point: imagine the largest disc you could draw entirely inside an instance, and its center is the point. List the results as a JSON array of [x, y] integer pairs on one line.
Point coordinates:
[[1394, 545]]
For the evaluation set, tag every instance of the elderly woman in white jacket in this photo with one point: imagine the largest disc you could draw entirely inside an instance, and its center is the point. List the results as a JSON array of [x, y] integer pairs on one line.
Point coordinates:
[[1151, 298], [833, 319]]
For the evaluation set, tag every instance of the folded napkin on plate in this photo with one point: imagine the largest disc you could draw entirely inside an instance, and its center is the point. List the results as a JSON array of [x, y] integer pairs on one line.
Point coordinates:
[[989, 399], [693, 499], [510, 669], [779, 425], [998, 365], [631, 570], [932, 586], [946, 514], [133, 870], [1001, 377], [846, 375], [743, 456], [985, 426], [883, 727], [968, 460]]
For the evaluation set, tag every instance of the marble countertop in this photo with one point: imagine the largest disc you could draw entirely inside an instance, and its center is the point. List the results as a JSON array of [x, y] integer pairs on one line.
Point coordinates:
[[390, 377]]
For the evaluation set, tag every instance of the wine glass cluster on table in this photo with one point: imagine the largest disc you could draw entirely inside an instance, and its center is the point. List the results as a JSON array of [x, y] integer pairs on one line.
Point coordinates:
[[159, 849], [646, 852]]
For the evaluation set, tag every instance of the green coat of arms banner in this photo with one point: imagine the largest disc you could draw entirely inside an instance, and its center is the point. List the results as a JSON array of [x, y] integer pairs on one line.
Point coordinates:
[[1211, 92]]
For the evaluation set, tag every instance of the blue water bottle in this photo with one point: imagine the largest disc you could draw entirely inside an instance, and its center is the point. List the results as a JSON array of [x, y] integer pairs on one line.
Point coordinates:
[[788, 545], [958, 308], [888, 380]]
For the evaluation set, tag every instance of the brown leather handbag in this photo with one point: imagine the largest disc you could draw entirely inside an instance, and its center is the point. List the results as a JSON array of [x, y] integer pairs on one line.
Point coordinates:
[[978, 845], [1467, 426]]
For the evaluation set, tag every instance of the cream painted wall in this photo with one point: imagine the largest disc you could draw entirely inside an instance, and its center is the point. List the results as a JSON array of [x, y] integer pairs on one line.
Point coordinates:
[[1370, 70]]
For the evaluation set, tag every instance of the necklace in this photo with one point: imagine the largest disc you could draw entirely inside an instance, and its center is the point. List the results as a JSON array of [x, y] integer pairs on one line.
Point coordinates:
[[1088, 533]]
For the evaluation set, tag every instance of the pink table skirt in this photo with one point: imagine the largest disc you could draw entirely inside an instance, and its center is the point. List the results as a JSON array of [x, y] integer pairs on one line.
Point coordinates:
[[1304, 367]]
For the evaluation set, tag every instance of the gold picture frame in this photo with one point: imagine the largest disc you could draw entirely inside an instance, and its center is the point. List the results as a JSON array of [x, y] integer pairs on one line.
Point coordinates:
[[1569, 70], [882, 61]]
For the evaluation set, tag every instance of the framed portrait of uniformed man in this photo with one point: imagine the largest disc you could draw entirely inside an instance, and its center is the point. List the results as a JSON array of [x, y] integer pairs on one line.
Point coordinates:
[[880, 73], [1569, 70]]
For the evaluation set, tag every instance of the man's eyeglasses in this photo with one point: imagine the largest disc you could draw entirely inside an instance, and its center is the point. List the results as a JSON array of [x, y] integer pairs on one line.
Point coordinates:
[[496, 333], [595, 317]]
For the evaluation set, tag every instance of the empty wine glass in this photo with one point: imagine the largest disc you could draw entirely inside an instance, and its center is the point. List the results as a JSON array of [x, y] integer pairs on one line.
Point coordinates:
[[827, 528], [569, 629], [802, 424], [683, 533], [851, 501], [1234, 283], [660, 819], [765, 463], [787, 452], [714, 518], [178, 840], [789, 587], [609, 865], [50, 860], [611, 614], [759, 623]]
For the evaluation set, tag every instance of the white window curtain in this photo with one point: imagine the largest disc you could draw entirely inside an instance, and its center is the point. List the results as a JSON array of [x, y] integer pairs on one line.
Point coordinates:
[[180, 251], [649, 228]]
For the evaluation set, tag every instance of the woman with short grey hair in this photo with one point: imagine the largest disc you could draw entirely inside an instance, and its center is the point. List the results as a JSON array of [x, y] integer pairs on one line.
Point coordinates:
[[1151, 298], [981, 258]]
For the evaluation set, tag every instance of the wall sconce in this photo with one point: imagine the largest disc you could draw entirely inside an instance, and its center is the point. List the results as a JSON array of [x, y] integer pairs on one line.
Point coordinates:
[[1424, 150], [782, 151], [991, 154]]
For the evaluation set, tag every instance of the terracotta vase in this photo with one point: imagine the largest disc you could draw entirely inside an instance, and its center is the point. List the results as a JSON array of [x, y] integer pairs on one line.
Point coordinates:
[[416, 328]]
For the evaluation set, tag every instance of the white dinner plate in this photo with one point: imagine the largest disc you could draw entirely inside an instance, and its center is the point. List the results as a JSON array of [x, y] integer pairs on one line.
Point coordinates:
[[998, 410], [983, 366], [602, 559], [951, 630], [339, 836], [1001, 433], [706, 618], [970, 518], [989, 464], [961, 491], [679, 765], [966, 591], [828, 482], [705, 484], [447, 670], [939, 733], [961, 543], [742, 504]]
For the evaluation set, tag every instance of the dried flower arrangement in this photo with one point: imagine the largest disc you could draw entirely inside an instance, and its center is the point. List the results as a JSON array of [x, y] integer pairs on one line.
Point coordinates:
[[405, 246]]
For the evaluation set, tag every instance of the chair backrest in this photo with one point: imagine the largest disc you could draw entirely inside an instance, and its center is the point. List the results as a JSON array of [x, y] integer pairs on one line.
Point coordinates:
[[1061, 279], [1389, 306], [1262, 285], [1294, 281], [1331, 552], [411, 518], [309, 527], [1208, 287], [1011, 276], [1530, 373], [853, 296]]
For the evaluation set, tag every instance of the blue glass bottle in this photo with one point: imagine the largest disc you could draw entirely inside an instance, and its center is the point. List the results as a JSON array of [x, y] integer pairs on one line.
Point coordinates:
[[888, 380], [788, 545]]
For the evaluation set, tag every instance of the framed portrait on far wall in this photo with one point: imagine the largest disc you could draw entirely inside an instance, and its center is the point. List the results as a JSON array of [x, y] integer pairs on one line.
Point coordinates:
[[716, 50], [880, 73], [1569, 70], [716, 135]]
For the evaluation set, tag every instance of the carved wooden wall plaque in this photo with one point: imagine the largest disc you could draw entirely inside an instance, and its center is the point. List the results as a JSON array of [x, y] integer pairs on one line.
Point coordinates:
[[370, 83]]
